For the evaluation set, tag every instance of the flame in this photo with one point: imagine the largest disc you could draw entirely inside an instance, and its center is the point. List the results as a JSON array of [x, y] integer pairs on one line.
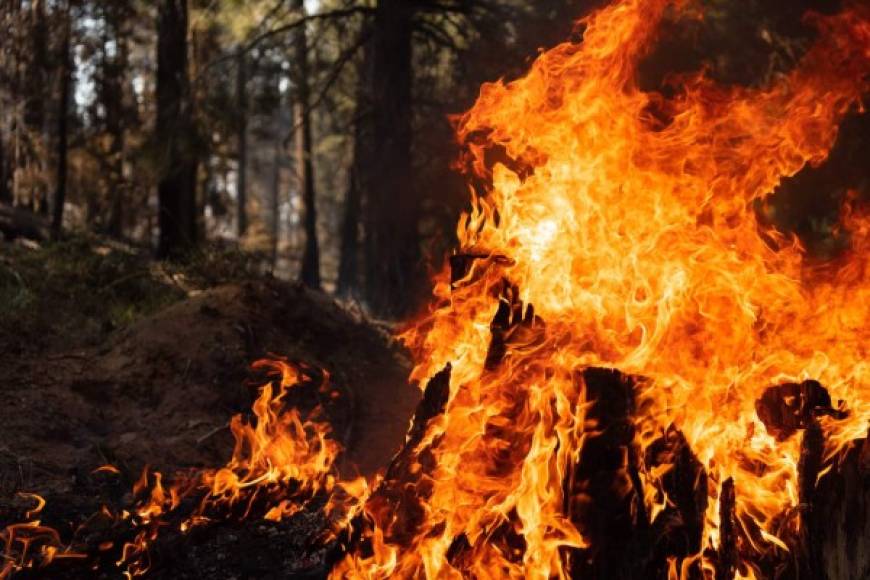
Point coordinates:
[[281, 460], [30, 544], [626, 218]]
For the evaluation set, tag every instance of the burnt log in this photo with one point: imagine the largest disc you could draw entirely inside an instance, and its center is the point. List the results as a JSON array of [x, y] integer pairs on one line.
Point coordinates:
[[396, 506], [600, 494], [840, 516], [809, 466], [727, 556], [785, 409], [513, 324], [676, 531]]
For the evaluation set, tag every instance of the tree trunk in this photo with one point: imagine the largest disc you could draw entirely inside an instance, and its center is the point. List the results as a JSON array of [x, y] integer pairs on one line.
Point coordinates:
[[114, 69], [37, 75], [348, 266], [174, 128], [392, 206], [5, 194], [62, 127], [310, 272], [242, 144], [11, 90], [275, 196]]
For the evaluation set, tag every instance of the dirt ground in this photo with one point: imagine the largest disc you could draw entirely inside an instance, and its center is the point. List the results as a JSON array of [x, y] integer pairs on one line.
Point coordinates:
[[161, 390]]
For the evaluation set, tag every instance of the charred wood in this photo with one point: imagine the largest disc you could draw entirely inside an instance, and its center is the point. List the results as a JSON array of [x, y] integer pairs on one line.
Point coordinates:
[[600, 493], [809, 466], [786, 408], [396, 506], [840, 519], [676, 531], [727, 556]]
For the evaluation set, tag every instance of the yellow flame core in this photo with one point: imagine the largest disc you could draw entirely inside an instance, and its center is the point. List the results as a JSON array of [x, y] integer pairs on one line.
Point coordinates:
[[637, 243]]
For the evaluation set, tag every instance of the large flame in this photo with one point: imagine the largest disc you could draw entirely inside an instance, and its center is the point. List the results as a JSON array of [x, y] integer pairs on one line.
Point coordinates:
[[626, 218]]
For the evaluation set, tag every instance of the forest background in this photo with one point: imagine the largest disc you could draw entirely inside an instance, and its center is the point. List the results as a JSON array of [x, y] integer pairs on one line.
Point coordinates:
[[314, 136]]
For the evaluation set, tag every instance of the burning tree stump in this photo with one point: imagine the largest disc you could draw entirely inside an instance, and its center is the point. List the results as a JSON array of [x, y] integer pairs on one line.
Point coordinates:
[[840, 519], [675, 533], [601, 497], [727, 556]]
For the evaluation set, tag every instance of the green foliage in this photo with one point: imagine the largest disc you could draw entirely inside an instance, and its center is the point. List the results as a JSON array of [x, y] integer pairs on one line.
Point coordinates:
[[85, 287], [77, 284]]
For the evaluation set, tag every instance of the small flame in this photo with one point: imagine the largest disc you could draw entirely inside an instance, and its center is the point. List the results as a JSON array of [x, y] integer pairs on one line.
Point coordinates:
[[281, 459]]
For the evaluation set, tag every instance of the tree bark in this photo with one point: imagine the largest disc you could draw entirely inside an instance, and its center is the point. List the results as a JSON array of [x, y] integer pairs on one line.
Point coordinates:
[[62, 127], [37, 75], [5, 195], [392, 207], [174, 128], [348, 266], [278, 153], [310, 272], [11, 90], [242, 144], [114, 69]]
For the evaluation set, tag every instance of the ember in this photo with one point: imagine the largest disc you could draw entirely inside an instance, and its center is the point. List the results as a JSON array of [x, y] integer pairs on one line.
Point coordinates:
[[622, 235]]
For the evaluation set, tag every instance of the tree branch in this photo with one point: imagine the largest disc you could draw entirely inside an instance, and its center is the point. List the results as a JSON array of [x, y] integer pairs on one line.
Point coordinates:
[[252, 43], [342, 60]]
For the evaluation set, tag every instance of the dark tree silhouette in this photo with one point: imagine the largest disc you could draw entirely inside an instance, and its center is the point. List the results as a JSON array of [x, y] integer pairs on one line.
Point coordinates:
[[174, 129], [310, 273], [392, 245], [62, 125], [242, 144]]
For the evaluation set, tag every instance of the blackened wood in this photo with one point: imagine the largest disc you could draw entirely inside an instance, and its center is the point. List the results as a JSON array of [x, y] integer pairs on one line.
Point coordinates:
[[786, 408], [809, 465], [431, 405], [512, 323], [841, 515], [601, 496], [727, 556], [396, 506], [677, 530]]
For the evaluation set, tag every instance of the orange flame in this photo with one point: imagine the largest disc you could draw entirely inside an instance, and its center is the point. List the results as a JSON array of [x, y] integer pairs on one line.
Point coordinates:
[[280, 458], [30, 544], [637, 243]]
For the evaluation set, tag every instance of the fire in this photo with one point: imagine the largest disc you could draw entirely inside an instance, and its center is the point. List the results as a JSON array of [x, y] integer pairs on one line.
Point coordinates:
[[281, 460], [626, 218], [28, 541], [615, 228]]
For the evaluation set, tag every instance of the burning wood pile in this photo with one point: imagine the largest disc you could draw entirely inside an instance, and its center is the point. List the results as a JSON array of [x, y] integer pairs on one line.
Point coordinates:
[[610, 228]]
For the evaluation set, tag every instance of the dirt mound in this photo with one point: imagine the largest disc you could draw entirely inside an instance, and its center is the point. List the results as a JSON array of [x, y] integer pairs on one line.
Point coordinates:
[[162, 390]]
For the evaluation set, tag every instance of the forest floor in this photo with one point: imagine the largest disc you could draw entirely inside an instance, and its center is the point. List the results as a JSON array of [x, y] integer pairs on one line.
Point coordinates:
[[107, 357]]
